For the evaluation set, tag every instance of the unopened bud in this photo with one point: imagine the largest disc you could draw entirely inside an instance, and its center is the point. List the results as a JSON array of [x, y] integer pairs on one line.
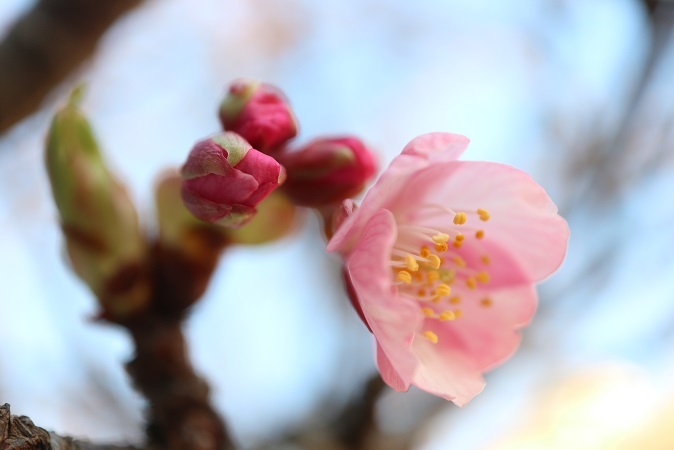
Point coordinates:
[[260, 113], [327, 171], [224, 179], [99, 220]]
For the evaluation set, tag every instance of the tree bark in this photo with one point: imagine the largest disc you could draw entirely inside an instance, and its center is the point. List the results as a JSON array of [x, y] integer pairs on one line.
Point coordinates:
[[19, 433]]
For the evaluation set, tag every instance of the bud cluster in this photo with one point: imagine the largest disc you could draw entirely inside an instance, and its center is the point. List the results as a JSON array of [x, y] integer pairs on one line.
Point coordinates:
[[227, 175]]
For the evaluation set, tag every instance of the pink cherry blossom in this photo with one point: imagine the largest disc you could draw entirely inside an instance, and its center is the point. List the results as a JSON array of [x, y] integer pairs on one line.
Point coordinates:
[[442, 256]]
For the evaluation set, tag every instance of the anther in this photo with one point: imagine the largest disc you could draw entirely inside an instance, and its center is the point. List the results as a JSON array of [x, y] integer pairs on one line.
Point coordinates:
[[459, 237], [432, 275], [479, 234], [457, 313], [443, 290], [458, 244], [485, 259], [483, 213], [428, 312], [482, 277], [430, 336], [459, 261], [460, 218], [434, 261], [411, 263], [440, 238], [471, 282], [424, 252], [447, 315], [486, 302], [404, 276], [455, 300], [441, 247]]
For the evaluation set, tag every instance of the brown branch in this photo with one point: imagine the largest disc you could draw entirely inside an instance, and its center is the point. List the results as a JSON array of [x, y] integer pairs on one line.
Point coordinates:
[[45, 45], [19, 433], [180, 414]]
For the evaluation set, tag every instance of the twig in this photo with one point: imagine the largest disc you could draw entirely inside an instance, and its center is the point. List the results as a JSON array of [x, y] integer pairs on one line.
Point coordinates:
[[180, 414]]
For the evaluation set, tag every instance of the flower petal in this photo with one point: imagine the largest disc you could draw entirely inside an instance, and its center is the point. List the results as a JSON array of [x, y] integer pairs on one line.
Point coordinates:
[[237, 187], [443, 371], [203, 208], [524, 220], [418, 154], [389, 373], [206, 158], [437, 146], [487, 335], [392, 319]]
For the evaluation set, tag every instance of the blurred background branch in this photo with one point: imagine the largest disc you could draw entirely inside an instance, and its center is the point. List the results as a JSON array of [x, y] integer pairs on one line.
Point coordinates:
[[45, 46]]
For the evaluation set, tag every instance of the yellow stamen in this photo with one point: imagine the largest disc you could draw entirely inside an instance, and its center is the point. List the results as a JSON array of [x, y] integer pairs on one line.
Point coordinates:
[[483, 277], [485, 259], [411, 263], [479, 234], [428, 312], [434, 261], [441, 247], [471, 283], [457, 313], [486, 302], [483, 213], [404, 276], [459, 261], [440, 238], [430, 336], [432, 275], [459, 237], [418, 277], [455, 300], [460, 218], [447, 315], [458, 244], [421, 292], [443, 290], [424, 252], [436, 299]]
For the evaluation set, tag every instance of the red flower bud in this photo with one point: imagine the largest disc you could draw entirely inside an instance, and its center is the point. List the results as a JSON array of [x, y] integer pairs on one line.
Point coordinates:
[[327, 171], [260, 113], [224, 178]]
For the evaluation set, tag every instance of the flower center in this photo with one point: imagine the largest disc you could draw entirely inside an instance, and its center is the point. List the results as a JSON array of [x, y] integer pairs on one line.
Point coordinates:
[[429, 263]]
